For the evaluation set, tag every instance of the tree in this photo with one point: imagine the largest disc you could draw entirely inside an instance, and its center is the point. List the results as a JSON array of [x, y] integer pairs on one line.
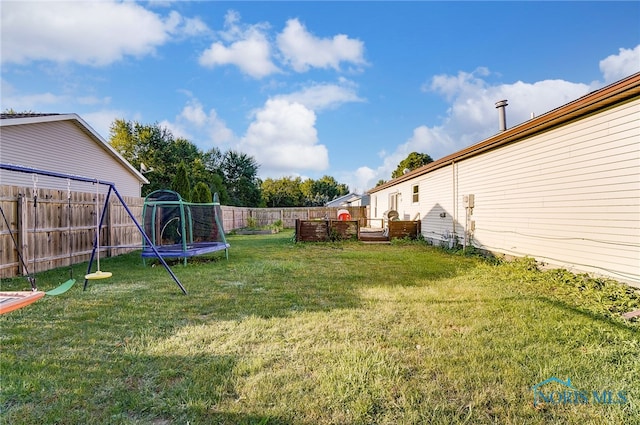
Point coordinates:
[[201, 194], [150, 145], [319, 192], [323, 190], [306, 187], [181, 183], [411, 162], [159, 151], [212, 162], [240, 173], [284, 192], [217, 186]]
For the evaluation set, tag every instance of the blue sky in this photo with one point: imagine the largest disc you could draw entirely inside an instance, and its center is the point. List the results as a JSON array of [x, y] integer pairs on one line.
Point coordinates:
[[346, 89]]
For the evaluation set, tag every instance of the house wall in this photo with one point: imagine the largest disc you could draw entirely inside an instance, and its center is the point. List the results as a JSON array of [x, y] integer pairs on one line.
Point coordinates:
[[569, 197], [440, 223], [61, 146]]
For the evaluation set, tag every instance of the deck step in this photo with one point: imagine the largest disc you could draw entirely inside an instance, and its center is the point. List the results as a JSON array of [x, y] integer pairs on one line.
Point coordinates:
[[373, 237]]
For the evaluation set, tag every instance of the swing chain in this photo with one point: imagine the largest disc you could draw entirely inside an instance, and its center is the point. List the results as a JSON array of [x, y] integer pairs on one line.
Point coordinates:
[[32, 282], [32, 277]]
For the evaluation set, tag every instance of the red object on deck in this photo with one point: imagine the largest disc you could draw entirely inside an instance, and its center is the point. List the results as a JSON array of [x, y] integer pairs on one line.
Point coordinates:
[[343, 215]]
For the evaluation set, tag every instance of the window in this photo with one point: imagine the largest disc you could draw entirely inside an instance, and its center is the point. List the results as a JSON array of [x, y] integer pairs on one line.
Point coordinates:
[[415, 194]]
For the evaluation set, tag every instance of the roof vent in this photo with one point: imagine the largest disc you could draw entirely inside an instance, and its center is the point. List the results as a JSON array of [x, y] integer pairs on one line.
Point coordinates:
[[502, 115]]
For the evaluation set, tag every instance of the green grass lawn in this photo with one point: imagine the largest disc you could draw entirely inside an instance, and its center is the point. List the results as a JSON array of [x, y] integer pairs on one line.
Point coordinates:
[[336, 333]]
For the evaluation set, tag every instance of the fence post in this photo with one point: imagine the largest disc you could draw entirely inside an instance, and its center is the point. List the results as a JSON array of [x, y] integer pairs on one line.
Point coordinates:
[[297, 224], [21, 224]]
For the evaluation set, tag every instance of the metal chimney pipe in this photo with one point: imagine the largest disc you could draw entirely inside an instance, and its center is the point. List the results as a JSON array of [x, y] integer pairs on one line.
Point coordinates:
[[502, 115]]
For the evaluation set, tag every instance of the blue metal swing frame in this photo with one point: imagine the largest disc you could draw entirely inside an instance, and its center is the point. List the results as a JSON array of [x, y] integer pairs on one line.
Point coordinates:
[[112, 189]]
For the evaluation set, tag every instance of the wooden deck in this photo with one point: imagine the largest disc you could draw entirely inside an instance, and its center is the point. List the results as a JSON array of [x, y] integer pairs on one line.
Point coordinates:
[[325, 230]]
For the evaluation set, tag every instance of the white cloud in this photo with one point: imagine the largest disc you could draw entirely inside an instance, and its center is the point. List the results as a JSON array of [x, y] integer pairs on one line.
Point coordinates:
[[91, 33], [283, 139], [250, 49], [625, 63], [101, 121], [206, 130], [283, 136], [36, 102], [451, 85], [302, 50], [360, 180], [324, 96], [247, 47], [472, 116]]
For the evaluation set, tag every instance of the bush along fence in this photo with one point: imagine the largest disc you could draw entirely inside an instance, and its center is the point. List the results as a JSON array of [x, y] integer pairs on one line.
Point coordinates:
[[56, 230]]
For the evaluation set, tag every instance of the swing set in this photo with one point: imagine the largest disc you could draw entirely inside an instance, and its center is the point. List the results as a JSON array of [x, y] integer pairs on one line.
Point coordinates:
[[10, 301], [14, 300]]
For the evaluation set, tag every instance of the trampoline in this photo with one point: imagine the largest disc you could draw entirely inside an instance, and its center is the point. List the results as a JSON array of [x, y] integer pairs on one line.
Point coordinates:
[[181, 229]]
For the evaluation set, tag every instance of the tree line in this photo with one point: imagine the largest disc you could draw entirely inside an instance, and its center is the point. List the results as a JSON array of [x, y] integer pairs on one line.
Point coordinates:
[[175, 163]]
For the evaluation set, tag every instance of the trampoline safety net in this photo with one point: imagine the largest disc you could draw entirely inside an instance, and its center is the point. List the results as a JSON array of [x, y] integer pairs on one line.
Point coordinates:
[[182, 229]]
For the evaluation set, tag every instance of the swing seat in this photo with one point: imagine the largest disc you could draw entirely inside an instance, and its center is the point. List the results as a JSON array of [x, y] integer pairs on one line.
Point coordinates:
[[62, 288], [10, 301], [98, 275]]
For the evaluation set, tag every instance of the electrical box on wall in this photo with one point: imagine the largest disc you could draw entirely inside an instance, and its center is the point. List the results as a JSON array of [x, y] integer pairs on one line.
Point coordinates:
[[469, 201]]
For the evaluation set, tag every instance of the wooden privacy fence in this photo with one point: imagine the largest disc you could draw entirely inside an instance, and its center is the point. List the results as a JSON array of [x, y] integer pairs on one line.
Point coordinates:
[[64, 234], [238, 217], [64, 231]]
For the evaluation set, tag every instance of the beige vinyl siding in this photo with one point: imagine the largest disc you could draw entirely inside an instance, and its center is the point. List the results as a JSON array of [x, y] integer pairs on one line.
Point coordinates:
[[406, 208], [436, 198], [61, 146], [569, 196]]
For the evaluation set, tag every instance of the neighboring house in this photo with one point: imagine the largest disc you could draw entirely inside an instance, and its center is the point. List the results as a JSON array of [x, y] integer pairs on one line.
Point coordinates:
[[349, 200], [563, 187], [62, 143]]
